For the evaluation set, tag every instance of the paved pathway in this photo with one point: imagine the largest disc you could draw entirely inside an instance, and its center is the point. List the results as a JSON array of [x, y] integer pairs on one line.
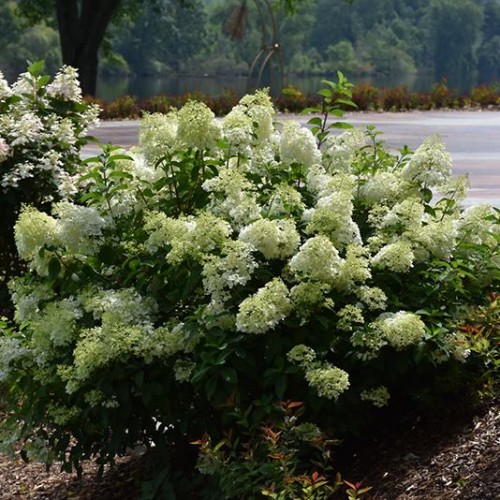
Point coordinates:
[[472, 138]]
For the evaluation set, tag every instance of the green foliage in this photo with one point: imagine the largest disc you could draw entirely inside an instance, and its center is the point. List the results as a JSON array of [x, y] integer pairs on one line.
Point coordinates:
[[335, 98], [25, 43], [162, 38], [374, 37], [454, 28], [273, 460], [122, 107], [224, 266], [482, 332]]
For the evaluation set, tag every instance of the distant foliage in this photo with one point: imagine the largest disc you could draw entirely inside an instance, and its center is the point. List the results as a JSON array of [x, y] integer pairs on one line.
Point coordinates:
[[366, 97]]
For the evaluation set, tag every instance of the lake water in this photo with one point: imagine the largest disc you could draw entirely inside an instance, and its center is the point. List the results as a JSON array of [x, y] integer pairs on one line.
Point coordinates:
[[144, 87]]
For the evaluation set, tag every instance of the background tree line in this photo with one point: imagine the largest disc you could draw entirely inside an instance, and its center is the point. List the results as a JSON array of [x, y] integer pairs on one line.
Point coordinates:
[[363, 37]]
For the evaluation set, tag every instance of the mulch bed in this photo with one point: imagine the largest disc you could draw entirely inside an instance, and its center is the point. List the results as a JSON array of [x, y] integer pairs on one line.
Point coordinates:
[[455, 456]]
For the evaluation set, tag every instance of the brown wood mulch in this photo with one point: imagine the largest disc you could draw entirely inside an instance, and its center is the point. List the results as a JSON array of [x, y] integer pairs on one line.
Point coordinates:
[[451, 456], [456, 457]]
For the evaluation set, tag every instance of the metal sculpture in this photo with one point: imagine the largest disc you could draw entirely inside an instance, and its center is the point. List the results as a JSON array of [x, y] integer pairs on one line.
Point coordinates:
[[235, 27]]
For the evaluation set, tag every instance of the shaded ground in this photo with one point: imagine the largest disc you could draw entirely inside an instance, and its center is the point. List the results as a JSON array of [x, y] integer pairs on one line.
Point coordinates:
[[454, 457]]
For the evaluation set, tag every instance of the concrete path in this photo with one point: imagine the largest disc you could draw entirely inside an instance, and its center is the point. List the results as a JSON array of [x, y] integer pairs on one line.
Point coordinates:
[[471, 137]]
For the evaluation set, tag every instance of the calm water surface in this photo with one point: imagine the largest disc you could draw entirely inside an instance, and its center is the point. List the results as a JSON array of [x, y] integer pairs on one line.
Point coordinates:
[[144, 87]]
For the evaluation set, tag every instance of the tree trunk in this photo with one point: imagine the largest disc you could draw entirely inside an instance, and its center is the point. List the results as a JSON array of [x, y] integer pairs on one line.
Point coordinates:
[[82, 25]]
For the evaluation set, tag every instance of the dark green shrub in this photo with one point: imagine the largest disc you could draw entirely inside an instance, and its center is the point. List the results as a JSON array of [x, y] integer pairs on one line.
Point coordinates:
[[157, 104], [396, 99], [291, 100], [121, 108], [485, 95], [366, 97], [442, 96], [228, 265]]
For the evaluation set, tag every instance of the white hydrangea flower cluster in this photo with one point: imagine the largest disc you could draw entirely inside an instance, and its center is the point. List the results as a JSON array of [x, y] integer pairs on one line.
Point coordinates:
[[308, 297], [401, 329], [327, 380], [55, 327], [430, 165], [187, 237], [77, 229], [348, 317], [233, 197], [118, 306], [298, 145], [99, 347], [354, 268], [455, 345], [262, 311], [238, 130], [477, 225], [377, 396], [373, 297], [317, 259], [340, 150], [38, 144], [382, 187], [66, 85], [302, 355], [5, 90], [397, 257], [158, 136], [197, 127], [35, 230], [259, 108], [22, 127], [234, 267], [285, 201], [398, 330], [183, 368], [274, 239], [4, 150]]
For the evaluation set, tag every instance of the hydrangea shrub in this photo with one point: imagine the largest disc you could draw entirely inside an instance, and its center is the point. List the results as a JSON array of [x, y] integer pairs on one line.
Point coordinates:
[[43, 126], [222, 266]]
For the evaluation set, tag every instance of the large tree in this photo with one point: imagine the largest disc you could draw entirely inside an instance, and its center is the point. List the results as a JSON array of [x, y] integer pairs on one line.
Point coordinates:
[[82, 25], [453, 31]]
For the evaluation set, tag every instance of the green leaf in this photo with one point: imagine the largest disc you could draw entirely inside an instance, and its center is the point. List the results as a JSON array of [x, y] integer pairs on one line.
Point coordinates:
[[229, 375], [308, 111], [211, 387], [54, 268], [327, 93], [121, 175], [315, 121], [280, 386], [337, 112], [342, 125], [120, 157], [44, 80], [36, 68], [347, 102], [139, 378], [93, 159]]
